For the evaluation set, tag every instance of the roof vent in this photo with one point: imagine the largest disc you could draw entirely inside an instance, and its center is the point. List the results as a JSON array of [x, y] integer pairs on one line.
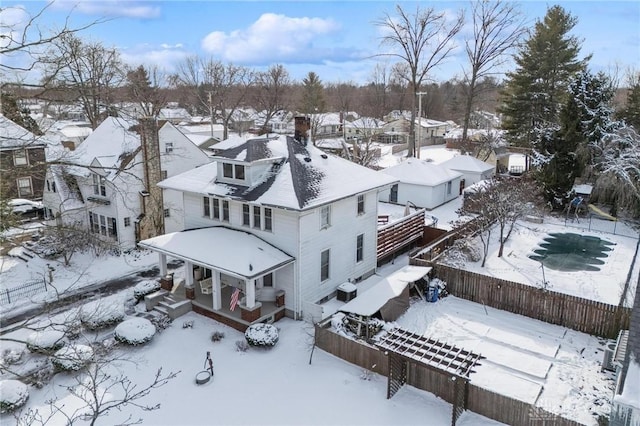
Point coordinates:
[[324, 156], [307, 159]]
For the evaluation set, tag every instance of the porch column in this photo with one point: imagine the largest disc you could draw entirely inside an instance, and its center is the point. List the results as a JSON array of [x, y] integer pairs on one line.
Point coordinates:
[[188, 274], [162, 263], [250, 297], [217, 290]]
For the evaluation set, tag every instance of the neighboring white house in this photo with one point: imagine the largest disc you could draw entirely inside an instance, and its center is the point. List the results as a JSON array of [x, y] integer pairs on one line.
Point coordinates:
[[472, 169], [273, 216], [362, 128], [100, 184], [422, 183]]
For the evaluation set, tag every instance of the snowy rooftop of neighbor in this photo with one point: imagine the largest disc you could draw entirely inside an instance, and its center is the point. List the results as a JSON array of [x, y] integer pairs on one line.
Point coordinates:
[[421, 172], [467, 163], [13, 135]]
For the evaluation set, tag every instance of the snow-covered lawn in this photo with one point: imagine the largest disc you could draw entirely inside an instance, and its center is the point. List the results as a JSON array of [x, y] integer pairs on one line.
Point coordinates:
[[274, 386], [604, 285], [524, 357]]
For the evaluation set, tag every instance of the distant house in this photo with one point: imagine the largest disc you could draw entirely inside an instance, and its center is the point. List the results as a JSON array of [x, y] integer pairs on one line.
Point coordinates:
[[203, 135], [422, 183], [363, 128], [428, 132], [277, 220], [174, 114], [472, 169], [22, 160], [102, 185]]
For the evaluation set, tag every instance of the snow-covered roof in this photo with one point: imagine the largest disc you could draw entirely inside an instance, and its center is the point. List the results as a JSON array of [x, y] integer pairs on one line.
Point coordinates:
[[242, 254], [467, 163], [427, 122], [203, 129], [583, 189], [370, 302], [109, 144], [301, 177], [13, 136], [421, 172]]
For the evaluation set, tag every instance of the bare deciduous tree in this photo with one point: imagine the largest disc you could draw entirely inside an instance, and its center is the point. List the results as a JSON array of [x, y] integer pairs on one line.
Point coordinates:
[[497, 28], [423, 40], [272, 92], [87, 69], [220, 88]]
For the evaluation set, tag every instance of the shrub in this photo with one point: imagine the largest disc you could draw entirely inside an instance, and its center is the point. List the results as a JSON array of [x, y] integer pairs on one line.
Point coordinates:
[[46, 341], [242, 346], [145, 287], [72, 357], [10, 356], [216, 336], [100, 313], [161, 322], [135, 331], [13, 395], [265, 335]]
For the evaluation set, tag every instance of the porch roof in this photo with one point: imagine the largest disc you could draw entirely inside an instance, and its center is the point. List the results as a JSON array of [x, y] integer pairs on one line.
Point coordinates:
[[370, 301], [233, 252]]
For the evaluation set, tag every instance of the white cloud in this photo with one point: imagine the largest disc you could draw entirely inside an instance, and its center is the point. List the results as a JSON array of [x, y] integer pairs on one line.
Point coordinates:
[[273, 38], [164, 56], [111, 8]]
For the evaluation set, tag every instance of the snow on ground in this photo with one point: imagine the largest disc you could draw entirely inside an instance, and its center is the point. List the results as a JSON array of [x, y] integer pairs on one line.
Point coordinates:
[[274, 386], [525, 357], [604, 285]]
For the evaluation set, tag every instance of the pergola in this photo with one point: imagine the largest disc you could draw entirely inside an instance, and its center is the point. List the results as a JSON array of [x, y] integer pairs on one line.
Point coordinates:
[[403, 347]]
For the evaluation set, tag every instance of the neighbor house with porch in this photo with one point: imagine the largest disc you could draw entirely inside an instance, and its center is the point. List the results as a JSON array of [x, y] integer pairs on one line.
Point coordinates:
[[276, 221]]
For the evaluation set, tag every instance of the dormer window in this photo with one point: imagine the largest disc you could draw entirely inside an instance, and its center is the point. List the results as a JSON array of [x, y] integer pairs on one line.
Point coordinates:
[[233, 171]]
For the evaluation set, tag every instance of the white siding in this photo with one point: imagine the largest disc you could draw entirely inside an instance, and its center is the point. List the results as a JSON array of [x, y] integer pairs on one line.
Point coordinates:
[[428, 197]]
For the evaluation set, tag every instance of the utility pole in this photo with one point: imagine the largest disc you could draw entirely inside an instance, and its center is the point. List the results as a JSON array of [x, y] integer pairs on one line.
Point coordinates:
[[419, 122], [210, 112]]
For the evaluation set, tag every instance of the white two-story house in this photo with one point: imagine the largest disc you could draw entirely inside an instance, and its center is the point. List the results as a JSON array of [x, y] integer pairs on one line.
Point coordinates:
[[101, 184], [277, 220]]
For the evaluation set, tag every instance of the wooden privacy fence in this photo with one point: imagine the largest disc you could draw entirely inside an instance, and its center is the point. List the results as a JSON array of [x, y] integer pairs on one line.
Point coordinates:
[[479, 400], [397, 235], [587, 316], [27, 289]]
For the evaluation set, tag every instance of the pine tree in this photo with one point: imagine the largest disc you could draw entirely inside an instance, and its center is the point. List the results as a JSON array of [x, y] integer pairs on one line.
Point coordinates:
[[536, 90], [312, 95], [631, 112], [20, 116]]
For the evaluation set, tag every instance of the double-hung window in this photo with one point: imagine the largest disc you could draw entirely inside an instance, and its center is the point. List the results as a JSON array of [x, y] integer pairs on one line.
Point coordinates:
[[360, 204], [206, 207], [325, 217], [360, 248], [246, 216], [268, 221], [99, 185], [25, 189], [324, 265], [225, 210], [20, 157], [257, 217], [216, 208]]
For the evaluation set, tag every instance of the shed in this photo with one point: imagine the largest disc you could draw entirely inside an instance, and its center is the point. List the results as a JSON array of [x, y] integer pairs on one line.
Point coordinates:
[[472, 169]]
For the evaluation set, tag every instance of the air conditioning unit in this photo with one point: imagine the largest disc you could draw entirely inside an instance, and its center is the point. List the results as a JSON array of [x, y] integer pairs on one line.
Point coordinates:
[[607, 361]]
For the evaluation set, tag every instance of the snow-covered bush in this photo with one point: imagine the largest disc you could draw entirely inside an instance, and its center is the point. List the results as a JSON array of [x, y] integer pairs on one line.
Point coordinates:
[[101, 313], [46, 341], [72, 357], [10, 356], [145, 287], [134, 331], [242, 346], [462, 252], [261, 335], [216, 336], [161, 322], [338, 322], [13, 395]]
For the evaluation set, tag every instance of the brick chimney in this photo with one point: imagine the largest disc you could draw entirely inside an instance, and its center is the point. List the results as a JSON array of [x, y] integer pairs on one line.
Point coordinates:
[[302, 126]]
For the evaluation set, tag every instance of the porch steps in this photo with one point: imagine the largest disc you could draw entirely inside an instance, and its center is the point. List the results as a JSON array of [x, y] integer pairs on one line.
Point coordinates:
[[167, 304]]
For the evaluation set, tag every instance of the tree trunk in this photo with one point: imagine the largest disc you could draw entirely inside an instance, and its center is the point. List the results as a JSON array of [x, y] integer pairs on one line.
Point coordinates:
[[468, 106], [502, 240]]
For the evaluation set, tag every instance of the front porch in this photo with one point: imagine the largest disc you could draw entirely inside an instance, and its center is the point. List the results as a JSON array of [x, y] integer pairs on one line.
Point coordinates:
[[264, 311]]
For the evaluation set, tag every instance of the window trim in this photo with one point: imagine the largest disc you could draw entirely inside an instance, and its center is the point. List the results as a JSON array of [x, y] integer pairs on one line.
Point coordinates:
[[325, 266], [257, 217], [268, 219], [359, 248], [325, 216], [360, 204], [206, 206], [24, 155], [246, 215], [99, 185], [19, 187], [168, 147]]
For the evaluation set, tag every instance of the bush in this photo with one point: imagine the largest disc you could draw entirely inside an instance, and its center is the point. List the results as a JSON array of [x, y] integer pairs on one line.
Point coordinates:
[[45, 342], [145, 287], [135, 331], [216, 336], [10, 356], [265, 335], [242, 346], [72, 357], [100, 313], [161, 322], [13, 395]]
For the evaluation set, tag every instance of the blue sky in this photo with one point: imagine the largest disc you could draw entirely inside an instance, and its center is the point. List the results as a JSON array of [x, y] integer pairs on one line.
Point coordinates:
[[335, 39]]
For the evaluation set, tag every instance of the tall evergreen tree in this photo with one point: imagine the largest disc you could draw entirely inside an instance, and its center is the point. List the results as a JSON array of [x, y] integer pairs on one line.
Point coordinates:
[[631, 112], [312, 95], [536, 90], [20, 116]]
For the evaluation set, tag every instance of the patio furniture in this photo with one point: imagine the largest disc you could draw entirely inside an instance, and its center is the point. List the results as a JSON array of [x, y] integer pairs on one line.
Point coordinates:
[[206, 286]]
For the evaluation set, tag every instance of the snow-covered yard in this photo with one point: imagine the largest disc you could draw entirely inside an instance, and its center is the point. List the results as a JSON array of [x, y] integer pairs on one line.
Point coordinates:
[[604, 285], [545, 365]]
